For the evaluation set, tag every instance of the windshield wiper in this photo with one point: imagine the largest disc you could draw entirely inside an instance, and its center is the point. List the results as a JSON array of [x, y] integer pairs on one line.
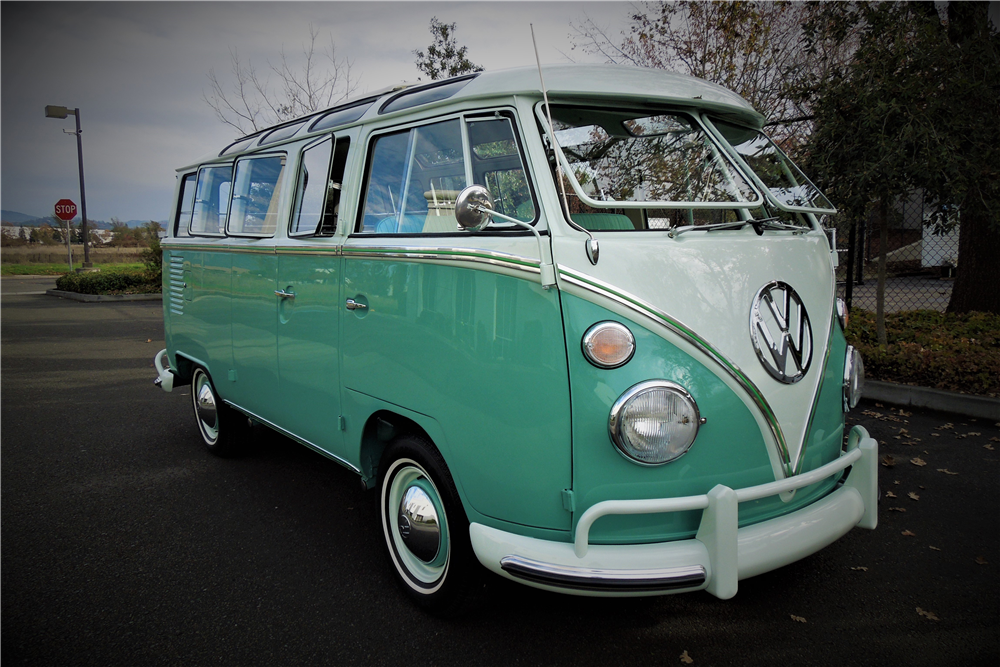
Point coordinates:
[[758, 226]]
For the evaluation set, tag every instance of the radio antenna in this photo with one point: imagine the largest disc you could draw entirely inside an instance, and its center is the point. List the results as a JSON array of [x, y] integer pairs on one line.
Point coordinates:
[[593, 249]]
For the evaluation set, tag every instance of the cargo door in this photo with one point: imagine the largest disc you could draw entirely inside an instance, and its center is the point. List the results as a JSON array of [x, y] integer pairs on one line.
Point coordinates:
[[309, 305]]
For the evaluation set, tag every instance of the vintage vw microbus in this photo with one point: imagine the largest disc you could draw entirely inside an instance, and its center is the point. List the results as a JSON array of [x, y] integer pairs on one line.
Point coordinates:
[[578, 324]]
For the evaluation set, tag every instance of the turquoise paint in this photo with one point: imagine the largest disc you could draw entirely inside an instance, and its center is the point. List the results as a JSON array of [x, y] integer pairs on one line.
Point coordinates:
[[255, 335], [204, 331], [483, 354], [309, 348], [729, 448]]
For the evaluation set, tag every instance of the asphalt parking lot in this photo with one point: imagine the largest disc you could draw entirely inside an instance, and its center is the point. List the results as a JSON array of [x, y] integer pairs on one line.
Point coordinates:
[[123, 543]]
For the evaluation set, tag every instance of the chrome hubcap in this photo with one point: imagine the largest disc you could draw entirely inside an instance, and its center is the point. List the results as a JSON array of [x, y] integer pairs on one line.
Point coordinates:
[[206, 409], [418, 524]]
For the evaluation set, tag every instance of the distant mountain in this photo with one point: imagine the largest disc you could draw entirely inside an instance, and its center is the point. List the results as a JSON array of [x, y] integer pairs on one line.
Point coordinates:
[[25, 220], [16, 218]]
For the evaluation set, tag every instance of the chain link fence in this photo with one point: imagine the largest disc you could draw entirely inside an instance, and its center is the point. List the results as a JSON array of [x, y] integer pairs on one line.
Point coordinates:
[[920, 265]]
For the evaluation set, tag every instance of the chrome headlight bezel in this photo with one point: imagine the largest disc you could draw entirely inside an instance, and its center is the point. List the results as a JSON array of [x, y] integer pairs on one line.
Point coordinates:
[[854, 378], [592, 338], [618, 421]]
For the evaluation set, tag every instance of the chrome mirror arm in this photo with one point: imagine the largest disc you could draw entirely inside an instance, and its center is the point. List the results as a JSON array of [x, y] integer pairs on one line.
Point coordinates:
[[546, 268], [473, 208]]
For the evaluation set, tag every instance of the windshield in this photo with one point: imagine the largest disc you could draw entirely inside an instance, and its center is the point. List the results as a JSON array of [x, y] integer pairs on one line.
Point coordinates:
[[623, 156], [639, 169], [788, 186]]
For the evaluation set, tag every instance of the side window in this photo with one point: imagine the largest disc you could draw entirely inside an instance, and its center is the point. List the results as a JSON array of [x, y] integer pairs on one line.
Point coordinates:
[[312, 188], [496, 163], [317, 196], [415, 176], [211, 201], [256, 193], [413, 179], [185, 205]]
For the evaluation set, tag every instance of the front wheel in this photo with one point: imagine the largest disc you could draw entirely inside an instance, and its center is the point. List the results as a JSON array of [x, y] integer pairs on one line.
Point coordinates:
[[425, 528], [222, 429]]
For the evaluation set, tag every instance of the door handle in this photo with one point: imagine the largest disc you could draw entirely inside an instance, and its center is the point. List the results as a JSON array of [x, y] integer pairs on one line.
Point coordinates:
[[283, 294], [354, 305]]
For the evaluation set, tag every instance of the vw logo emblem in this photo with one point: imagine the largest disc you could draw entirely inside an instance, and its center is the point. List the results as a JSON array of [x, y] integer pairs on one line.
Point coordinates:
[[780, 331]]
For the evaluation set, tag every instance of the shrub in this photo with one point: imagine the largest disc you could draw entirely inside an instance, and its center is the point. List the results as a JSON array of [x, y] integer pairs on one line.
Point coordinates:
[[116, 281], [931, 349]]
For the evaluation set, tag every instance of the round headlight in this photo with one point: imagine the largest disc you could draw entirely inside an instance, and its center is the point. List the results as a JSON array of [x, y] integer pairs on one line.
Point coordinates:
[[608, 344], [854, 378], [654, 422]]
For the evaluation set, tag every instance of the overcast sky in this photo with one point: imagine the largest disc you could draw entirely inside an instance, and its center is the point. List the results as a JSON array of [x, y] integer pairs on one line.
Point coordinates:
[[138, 72]]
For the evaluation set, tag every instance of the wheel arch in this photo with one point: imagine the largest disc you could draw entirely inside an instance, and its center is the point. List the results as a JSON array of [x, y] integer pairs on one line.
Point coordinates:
[[380, 429]]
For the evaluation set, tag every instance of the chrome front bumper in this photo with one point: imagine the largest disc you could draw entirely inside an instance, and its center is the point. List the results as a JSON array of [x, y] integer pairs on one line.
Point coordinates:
[[720, 554]]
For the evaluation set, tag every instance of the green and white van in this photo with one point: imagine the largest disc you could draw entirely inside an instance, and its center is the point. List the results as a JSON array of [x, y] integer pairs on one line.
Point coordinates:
[[587, 338]]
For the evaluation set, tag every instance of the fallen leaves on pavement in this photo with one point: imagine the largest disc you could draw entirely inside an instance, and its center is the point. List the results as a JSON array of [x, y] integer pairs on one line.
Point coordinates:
[[929, 615], [917, 461], [686, 659], [946, 471], [797, 619]]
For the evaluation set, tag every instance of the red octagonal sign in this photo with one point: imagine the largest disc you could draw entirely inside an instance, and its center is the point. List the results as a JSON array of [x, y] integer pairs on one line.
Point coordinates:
[[65, 209]]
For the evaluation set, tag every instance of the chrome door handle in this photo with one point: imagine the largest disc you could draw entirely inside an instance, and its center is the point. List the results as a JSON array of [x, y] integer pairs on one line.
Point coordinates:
[[354, 305], [284, 295]]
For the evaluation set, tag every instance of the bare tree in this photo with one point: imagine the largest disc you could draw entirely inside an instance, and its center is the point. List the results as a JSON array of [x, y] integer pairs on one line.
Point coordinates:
[[250, 102], [753, 48]]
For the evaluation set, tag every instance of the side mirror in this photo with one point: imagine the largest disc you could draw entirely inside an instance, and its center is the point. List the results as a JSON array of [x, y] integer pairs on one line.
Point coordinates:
[[473, 208]]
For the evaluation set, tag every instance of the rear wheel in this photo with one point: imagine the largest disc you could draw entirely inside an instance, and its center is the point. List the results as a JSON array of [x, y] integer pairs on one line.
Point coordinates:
[[425, 528], [223, 430]]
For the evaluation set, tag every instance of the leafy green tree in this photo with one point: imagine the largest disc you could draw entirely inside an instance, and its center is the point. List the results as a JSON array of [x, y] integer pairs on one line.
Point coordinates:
[[444, 58], [916, 107], [152, 256], [122, 236]]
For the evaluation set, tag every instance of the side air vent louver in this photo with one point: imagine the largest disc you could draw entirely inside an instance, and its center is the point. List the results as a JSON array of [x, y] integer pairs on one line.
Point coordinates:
[[177, 285]]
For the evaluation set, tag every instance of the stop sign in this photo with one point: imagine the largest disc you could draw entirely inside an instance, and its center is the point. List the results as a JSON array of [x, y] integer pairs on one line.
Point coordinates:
[[65, 210]]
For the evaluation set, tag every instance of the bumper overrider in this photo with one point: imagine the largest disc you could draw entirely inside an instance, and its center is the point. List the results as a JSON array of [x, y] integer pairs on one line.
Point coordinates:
[[717, 557]]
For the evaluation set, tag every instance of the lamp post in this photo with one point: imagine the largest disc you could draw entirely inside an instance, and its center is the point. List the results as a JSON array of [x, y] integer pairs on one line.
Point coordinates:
[[62, 112]]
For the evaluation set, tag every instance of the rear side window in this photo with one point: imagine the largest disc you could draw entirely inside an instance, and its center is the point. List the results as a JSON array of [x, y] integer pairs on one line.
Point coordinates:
[[415, 176], [256, 193], [185, 205], [317, 192], [211, 201]]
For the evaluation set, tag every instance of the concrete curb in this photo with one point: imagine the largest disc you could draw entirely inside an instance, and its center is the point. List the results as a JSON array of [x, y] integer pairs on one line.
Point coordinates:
[[980, 407], [91, 298]]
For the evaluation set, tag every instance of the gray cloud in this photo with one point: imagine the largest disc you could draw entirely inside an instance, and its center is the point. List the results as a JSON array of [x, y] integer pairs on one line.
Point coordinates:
[[138, 72]]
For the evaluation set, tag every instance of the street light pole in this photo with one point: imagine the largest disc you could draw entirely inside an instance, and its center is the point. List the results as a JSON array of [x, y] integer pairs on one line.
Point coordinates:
[[62, 112]]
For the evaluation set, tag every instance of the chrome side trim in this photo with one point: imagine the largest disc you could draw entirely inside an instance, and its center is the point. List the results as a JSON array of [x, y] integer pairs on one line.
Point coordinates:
[[516, 262], [653, 313], [597, 579], [289, 434]]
